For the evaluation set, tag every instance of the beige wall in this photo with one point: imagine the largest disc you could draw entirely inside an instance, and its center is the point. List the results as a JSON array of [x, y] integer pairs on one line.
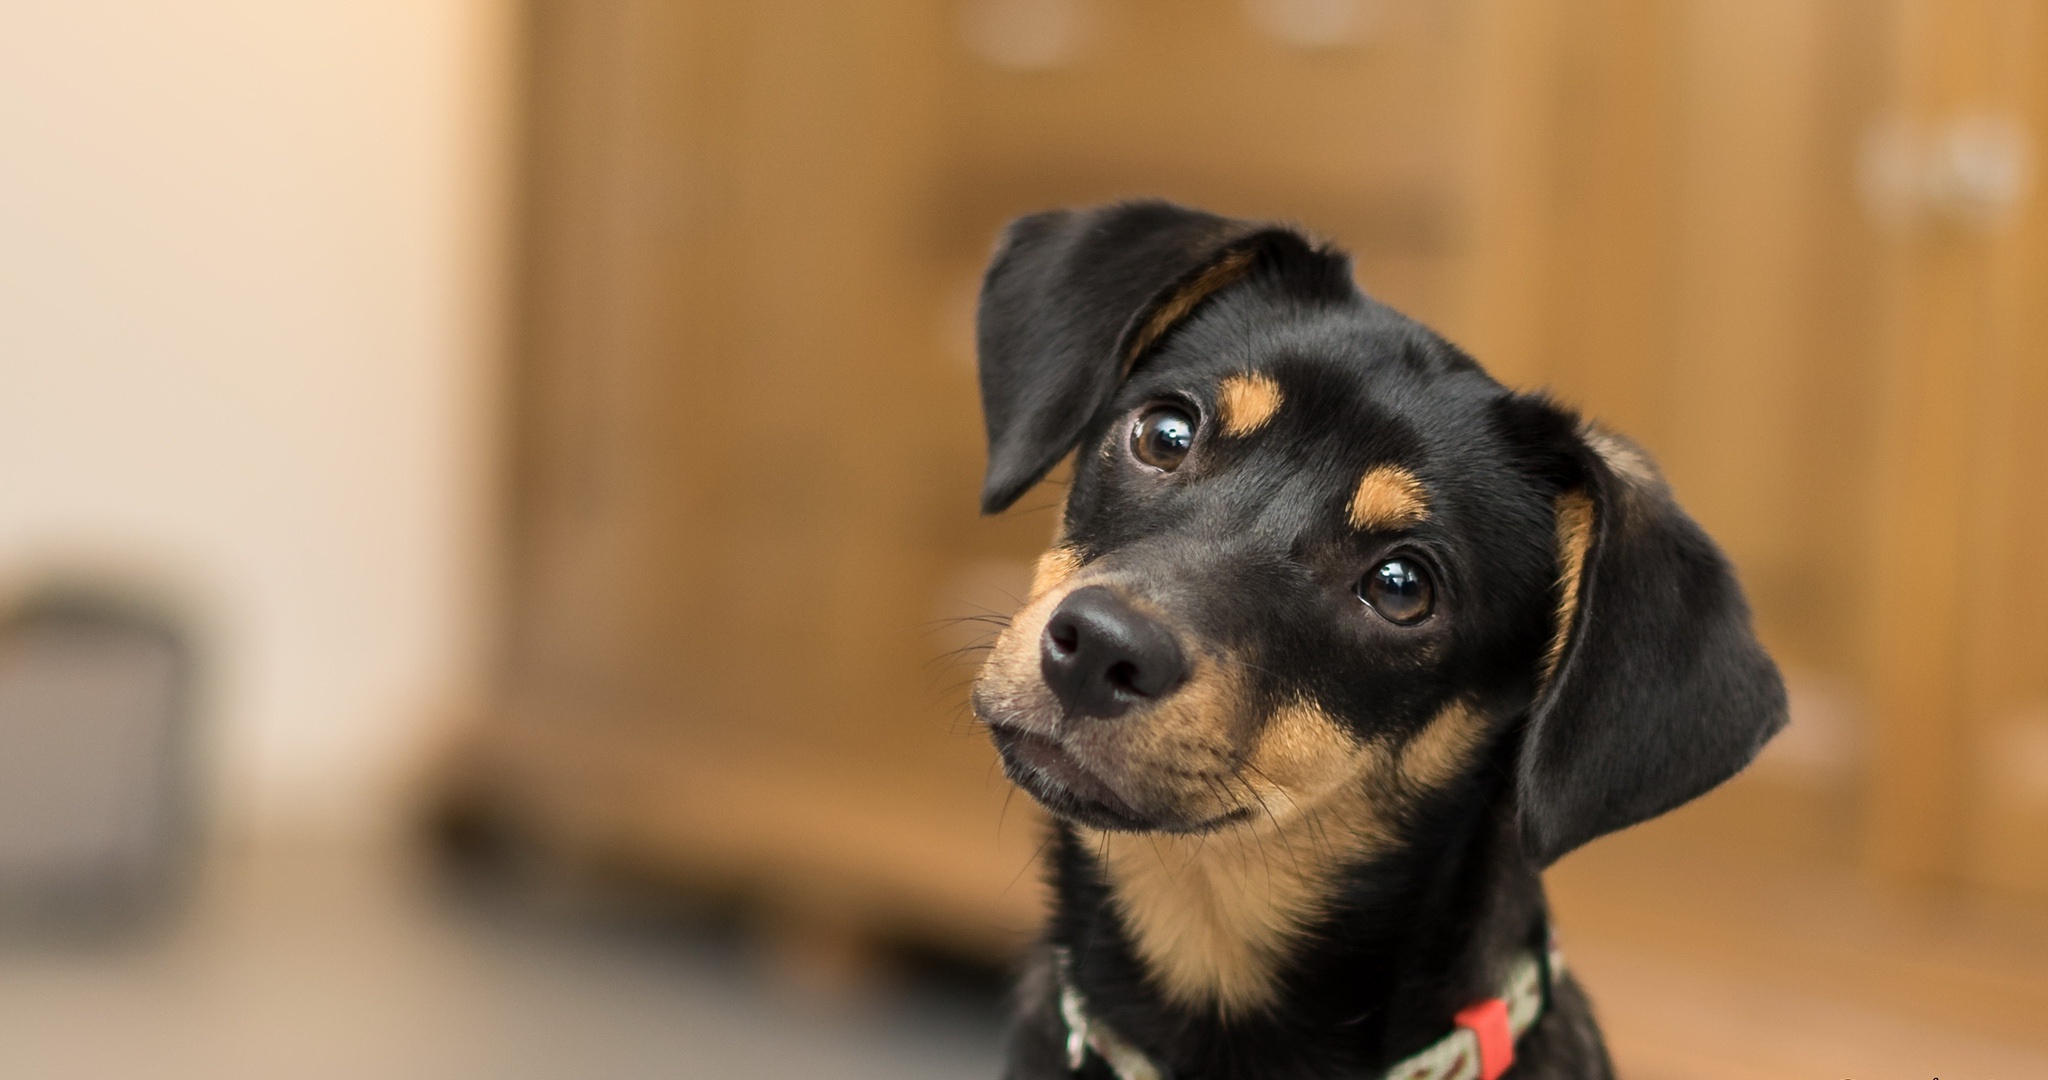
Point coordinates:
[[248, 263]]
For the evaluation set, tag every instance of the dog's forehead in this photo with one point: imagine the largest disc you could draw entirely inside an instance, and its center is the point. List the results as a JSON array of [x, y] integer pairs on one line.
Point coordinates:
[[1364, 358], [1394, 437], [1360, 388], [1333, 428]]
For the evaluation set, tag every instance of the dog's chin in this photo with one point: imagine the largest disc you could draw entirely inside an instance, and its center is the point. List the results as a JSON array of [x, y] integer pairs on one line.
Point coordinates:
[[1061, 784], [1069, 790]]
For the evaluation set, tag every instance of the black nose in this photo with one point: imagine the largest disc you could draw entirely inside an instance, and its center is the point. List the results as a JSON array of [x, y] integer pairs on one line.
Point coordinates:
[[1100, 657]]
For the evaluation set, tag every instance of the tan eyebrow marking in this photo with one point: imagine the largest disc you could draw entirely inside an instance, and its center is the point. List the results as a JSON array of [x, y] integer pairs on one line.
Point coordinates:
[[1245, 402], [1388, 497]]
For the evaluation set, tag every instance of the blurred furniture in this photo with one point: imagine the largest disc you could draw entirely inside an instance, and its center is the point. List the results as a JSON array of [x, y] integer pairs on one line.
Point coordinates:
[[747, 440], [1785, 245], [1800, 251], [96, 746]]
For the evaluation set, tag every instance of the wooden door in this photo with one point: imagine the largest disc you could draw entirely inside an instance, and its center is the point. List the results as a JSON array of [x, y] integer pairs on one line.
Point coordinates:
[[1957, 594]]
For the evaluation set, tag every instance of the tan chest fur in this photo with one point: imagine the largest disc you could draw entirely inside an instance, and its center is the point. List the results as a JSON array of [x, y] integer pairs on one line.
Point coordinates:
[[1215, 917]]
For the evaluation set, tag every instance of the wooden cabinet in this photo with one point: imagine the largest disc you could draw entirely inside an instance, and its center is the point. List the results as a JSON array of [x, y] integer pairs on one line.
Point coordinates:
[[746, 446], [747, 443]]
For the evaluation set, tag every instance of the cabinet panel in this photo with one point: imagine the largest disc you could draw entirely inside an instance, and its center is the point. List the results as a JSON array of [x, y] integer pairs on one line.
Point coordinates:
[[747, 444]]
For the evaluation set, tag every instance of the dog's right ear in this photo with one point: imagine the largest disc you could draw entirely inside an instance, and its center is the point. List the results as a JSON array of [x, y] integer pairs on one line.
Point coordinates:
[[1072, 299]]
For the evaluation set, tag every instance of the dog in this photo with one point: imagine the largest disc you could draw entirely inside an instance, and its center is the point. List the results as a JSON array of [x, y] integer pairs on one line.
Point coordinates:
[[1338, 645]]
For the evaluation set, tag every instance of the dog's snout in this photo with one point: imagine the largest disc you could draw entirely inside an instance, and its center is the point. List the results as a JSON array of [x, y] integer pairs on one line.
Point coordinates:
[[1100, 656]]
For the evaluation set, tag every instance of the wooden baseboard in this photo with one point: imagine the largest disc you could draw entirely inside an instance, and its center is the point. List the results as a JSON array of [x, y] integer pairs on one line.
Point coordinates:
[[940, 858]]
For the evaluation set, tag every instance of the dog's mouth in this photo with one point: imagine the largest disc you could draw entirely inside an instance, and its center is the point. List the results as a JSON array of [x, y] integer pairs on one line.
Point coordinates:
[[1051, 774], [1064, 785]]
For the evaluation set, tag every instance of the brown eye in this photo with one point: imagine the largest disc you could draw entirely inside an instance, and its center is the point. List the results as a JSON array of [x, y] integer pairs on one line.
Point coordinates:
[[1162, 437], [1400, 590]]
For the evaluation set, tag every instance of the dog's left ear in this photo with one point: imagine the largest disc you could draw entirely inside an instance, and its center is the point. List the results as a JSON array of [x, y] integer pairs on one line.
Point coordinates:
[[1655, 688], [1072, 299]]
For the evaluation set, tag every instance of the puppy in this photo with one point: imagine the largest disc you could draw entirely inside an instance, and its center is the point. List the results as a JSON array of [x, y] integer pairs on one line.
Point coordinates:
[[1339, 644]]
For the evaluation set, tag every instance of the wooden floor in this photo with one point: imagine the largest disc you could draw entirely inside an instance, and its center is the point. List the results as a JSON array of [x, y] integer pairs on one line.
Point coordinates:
[[1712, 959], [345, 964], [1731, 940]]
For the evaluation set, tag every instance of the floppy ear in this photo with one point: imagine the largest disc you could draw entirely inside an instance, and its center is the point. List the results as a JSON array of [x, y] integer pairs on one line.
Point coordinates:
[[1073, 298], [1655, 688]]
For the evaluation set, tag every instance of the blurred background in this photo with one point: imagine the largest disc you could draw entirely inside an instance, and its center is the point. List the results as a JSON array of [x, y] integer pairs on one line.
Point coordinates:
[[487, 492]]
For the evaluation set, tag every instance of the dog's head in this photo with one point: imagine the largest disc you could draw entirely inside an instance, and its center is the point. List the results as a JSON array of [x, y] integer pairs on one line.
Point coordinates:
[[1312, 552]]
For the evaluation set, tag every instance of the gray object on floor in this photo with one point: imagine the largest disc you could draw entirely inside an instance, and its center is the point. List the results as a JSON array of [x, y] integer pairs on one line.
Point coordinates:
[[94, 704]]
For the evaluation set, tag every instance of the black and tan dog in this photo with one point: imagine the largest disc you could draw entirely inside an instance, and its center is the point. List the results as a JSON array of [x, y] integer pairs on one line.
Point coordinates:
[[1340, 643]]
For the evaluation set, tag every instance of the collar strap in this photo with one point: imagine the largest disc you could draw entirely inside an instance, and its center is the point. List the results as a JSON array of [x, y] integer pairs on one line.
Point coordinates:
[[1480, 1047], [1085, 1034]]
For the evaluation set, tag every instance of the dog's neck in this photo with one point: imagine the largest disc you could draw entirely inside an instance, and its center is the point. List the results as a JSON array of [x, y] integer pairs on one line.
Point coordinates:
[[1293, 942]]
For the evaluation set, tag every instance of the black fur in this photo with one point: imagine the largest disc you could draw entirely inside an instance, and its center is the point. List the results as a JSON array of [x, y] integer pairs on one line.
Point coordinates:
[[1661, 694]]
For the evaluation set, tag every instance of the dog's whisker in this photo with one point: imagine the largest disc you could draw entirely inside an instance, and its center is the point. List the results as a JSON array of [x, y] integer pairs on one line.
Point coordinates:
[[977, 608], [1037, 854], [1259, 797], [1265, 856], [1241, 664], [1157, 844], [970, 657], [954, 656], [972, 616]]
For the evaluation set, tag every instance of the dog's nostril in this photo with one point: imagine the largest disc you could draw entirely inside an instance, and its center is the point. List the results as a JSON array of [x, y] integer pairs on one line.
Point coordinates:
[[1101, 657]]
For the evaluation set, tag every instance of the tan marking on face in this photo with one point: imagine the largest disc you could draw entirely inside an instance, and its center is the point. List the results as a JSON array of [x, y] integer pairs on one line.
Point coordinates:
[[1304, 755], [1574, 536], [1388, 497], [1244, 403], [1443, 748], [1223, 271], [1053, 568], [1010, 682], [1214, 917], [1177, 758], [1149, 760]]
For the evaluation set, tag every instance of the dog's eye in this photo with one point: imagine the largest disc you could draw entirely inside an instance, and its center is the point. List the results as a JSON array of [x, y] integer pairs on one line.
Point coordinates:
[[1400, 590], [1162, 437]]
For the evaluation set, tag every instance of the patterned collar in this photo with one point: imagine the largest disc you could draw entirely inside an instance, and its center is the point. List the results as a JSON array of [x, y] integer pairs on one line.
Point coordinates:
[[1480, 1045]]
